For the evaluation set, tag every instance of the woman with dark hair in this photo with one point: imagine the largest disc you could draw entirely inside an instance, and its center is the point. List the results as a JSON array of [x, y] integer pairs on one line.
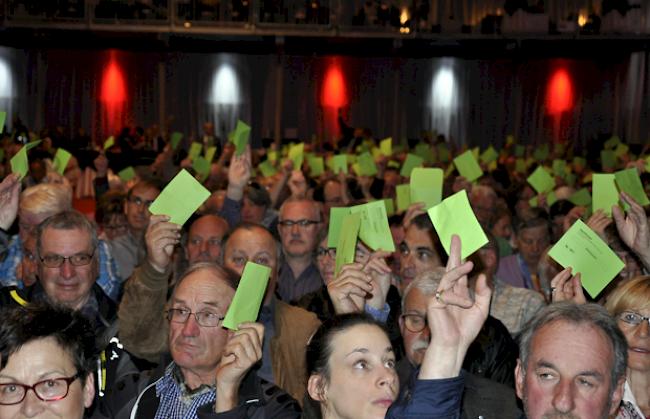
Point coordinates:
[[351, 364], [47, 356]]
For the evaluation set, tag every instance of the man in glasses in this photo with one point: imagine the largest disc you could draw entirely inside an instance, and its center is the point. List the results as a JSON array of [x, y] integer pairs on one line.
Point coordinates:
[[482, 397], [299, 224], [129, 250], [47, 359]]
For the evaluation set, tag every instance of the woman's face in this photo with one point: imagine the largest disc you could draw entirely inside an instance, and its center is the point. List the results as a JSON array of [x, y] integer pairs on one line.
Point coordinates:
[[638, 340], [40, 360], [363, 381], [503, 227]]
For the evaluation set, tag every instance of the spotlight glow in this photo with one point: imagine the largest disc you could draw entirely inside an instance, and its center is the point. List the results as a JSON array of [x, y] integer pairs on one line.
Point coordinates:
[[6, 81], [334, 92], [225, 87], [444, 94], [559, 95]]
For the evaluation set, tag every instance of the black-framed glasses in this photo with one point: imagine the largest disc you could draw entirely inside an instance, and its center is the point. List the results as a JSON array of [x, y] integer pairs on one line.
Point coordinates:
[[329, 251], [203, 318], [55, 261], [49, 390], [139, 202], [633, 319], [414, 322], [300, 223]]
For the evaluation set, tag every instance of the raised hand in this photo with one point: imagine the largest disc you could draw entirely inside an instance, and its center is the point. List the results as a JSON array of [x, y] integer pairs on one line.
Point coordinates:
[[160, 238], [565, 287], [633, 228], [381, 276], [349, 290], [242, 351], [413, 211], [9, 194], [239, 173], [598, 222], [455, 318]]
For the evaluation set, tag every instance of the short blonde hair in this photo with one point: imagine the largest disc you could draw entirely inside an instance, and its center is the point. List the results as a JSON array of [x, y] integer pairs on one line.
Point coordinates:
[[46, 199], [630, 295]]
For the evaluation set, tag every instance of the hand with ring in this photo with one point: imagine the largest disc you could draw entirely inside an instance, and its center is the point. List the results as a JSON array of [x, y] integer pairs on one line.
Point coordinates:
[[565, 287]]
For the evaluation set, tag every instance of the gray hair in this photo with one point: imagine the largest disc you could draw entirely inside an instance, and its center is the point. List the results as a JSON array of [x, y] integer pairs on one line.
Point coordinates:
[[46, 199], [575, 314], [228, 276], [427, 283], [66, 220]]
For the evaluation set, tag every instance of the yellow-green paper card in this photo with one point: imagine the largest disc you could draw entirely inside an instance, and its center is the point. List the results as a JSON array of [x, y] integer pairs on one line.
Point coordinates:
[[126, 174], [426, 186], [412, 161], [110, 142], [454, 215], [386, 146], [240, 137], [374, 230], [195, 150], [337, 214], [297, 155], [629, 181], [248, 298], [605, 194], [347, 242], [340, 164], [541, 181], [587, 254], [468, 167], [19, 162], [61, 159], [176, 138], [403, 193], [180, 198]]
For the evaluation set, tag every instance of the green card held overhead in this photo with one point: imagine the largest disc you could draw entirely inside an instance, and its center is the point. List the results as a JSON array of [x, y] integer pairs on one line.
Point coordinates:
[[19, 162], [209, 154], [443, 153], [367, 164], [581, 197], [347, 241], [61, 159], [541, 153], [195, 150], [587, 254], [580, 162], [337, 214], [297, 155], [489, 155], [267, 169], [468, 167], [621, 150], [629, 181], [454, 215], [426, 186], [608, 159], [246, 303], [175, 139], [386, 146], [126, 174], [316, 166], [541, 180], [403, 195], [425, 151], [559, 167], [520, 166], [273, 155], [390, 206], [605, 194], [340, 164], [201, 165], [3, 119], [240, 137], [374, 230], [612, 142], [533, 202], [412, 161], [180, 198], [110, 142]]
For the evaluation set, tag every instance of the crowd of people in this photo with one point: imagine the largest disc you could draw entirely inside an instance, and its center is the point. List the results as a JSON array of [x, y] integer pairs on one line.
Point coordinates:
[[115, 312]]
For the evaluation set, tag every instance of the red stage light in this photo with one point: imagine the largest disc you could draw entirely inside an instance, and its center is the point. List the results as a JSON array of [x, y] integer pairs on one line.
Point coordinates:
[[113, 87], [334, 92], [559, 96]]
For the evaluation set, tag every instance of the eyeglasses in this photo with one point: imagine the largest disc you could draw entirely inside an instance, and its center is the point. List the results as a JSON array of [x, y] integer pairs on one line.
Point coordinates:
[[633, 318], [203, 318], [414, 322], [299, 223], [322, 251], [49, 390], [55, 261], [139, 202]]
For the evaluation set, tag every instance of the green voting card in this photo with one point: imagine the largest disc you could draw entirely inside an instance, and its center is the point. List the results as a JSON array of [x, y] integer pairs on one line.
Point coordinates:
[[443, 153], [608, 159], [454, 215], [386, 146], [541, 181], [612, 142], [425, 151], [336, 222], [246, 303], [533, 202], [110, 142], [621, 150], [426, 186], [587, 254], [520, 166], [367, 164], [175, 139], [316, 166], [347, 242], [209, 154], [3, 119], [19, 162], [390, 206], [273, 155], [629, 181], [195, 150], [468, 167], [180, 198], [541, 153], [579, 161], [374, 230], [581, 197], [126, 174], [340, 164], [605, 194], [267, 168], [489, 155], [201, 165], [559, 168], [240, 137], [61, 159], [412, 161], [297, 155], [403, 194]]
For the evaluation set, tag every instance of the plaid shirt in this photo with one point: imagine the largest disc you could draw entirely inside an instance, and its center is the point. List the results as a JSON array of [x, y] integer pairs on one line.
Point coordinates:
[[108, 279], [176, 400]]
